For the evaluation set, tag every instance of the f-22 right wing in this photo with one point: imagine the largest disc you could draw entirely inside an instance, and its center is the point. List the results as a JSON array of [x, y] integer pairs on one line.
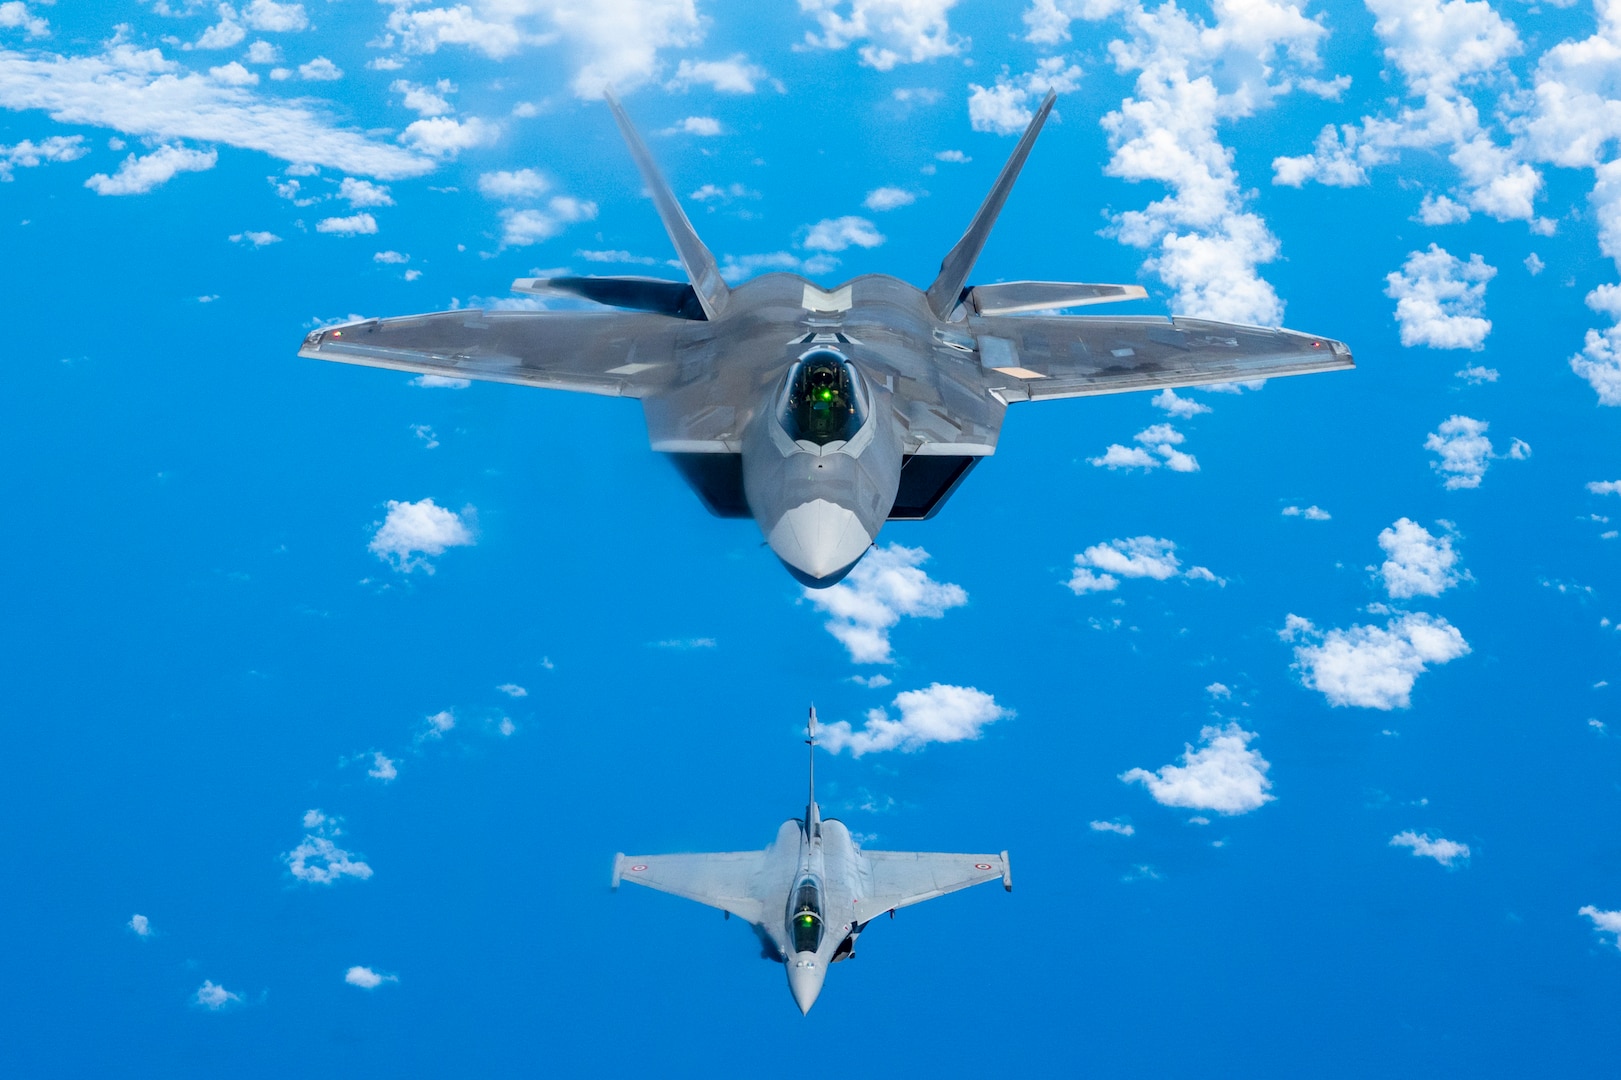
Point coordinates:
[[1036, 358]]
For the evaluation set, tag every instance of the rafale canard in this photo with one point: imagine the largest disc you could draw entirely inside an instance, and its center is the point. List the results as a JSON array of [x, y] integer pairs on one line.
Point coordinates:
[[821, 413]]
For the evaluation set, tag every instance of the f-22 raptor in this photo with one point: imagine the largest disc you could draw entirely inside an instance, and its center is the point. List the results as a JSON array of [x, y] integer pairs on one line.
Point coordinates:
[[813, 891], [824, 413]]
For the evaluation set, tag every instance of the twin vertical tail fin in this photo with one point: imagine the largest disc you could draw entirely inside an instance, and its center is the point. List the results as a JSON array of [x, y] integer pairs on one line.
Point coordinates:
[[696, 259], [946, 292]]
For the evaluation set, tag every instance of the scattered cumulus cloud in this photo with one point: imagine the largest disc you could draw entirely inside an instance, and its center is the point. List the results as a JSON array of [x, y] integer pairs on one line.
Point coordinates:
[[1605, 922], [1605, 487], [955, 157], [939, 714], [882, 199], [441, 382], [361, 224], [894, 31], [29, 155], [138, 175], [1310, 513], [14, 15], [1182, 408], [1223, 774], [424, 100], [360, 193], [1463, 452], [1417, 563], [445, 136], [1372, 667], [366, 978], [1006, 107], [734, 75], [1112, 827], [1534, 264], [140, 925], [272, 17], [702, 126], [516, 184], [412, 531], [884, 587], [1444, 851], [257, 239], [1100, 567], [836, 234], [391, 258], [1476, 374], [1439, 299], [513, 690], [383, 767], [214, 997], [318, 859], [521, 228], [1157, 446], [320, 70]]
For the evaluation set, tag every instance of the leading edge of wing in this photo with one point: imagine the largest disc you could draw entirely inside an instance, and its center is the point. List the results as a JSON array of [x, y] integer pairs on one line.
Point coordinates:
[[903, 878], [618, 354], [728, 880]]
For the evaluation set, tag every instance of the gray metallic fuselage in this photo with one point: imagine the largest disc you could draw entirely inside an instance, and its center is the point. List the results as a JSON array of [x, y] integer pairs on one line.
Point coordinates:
[[821, 506]]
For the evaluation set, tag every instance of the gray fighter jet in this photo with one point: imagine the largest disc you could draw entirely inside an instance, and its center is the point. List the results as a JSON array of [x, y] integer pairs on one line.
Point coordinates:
[[824, 413], [813, 891]]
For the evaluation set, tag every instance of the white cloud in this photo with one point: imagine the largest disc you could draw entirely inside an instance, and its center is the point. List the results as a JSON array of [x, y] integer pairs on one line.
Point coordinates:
[[14, 15], [1310, 513], [956, 157], [939, 714], [1372, 667], [441, 382], [1605, 487], [520, 228], [1161, 439], [320, 70], [361, 224], [734, 75], [1137, 557], [896, 31], [1223, 774], [223, 34], [1465, 452], [513, 690], [360, 193], [1443, 50], [609, 42], [1476, 374], [726, 194], [140, 925], [435, 726], [138, 175], [519, 184], [872, 682], [138, 92], [262, 52], [423, 100], [735, 268], [836, 234], [883, 587], [1193, 77], [1006, 107], [214, 997], [394, 258], [1600, 361], [233, 74], [317, 859], [273, 18], [1607, 922], [444, 136], [1439, 298], [1418, 564], [28, 154], [1442, 850], [366, 978], [382, 767], [414, 530], [881, 199], [1219, 690], [1179, 407], [1112, 827], [704, 126]]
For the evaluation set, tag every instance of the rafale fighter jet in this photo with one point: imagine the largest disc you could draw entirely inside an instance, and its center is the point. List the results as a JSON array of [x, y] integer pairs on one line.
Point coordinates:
[[824, 413], [813, 891]]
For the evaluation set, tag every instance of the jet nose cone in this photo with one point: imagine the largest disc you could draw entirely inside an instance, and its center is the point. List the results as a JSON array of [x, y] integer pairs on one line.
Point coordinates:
[[805, 975], [819, 542]]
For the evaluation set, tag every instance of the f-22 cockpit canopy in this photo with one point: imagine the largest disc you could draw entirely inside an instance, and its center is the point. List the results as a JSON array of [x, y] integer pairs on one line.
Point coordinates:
[[823, 400]]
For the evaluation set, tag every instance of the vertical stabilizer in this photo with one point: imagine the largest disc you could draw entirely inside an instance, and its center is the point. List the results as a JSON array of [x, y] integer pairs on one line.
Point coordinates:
[[954, 268], [695, 258]]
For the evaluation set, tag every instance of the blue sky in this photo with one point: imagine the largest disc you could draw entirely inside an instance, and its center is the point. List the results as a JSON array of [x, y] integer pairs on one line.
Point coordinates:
[[330, 696]]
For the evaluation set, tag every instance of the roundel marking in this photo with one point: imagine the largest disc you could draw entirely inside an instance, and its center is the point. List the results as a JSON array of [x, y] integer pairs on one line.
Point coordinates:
[[639, 867], [977, 866]]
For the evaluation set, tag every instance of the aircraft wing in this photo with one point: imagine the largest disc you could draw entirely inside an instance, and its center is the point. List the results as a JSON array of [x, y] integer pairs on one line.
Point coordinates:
[[627, 354], [733, 881], [1035, 358], [899, 878]]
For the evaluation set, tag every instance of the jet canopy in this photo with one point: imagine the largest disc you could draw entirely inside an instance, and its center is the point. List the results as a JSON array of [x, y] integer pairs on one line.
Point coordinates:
[[823, 400], [805, 917]]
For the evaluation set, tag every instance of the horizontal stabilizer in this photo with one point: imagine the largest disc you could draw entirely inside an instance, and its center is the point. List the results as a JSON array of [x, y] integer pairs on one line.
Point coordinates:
[[675, 298], [1009, 297]]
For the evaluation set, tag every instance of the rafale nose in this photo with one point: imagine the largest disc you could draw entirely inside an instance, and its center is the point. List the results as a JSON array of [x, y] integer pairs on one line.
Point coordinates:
[[805, 977], [819, 542]]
